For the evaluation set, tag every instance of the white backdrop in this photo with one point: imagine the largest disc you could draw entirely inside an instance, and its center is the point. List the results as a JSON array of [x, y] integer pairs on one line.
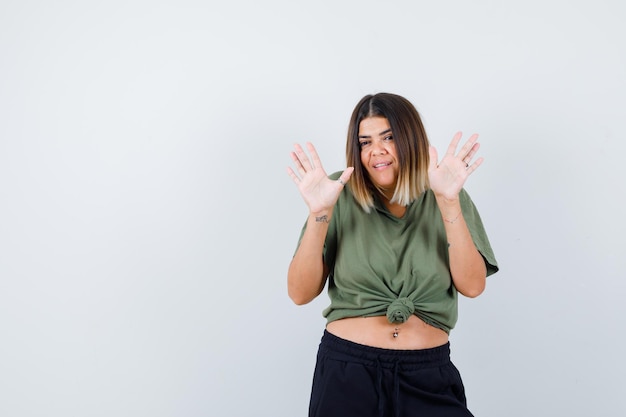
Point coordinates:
[[147, 220]]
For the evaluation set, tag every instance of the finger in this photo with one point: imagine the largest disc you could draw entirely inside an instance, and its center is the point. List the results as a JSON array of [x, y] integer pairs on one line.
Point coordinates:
[[433, 158], [296, 161], [475, 165], [471, 153], [468, 147], [293, 175], [316, 162], [345, 176], [454, 143], [303, 159]]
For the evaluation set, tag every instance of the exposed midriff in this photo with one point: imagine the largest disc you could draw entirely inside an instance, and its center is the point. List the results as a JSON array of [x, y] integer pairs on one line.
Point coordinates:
[[378, 332]]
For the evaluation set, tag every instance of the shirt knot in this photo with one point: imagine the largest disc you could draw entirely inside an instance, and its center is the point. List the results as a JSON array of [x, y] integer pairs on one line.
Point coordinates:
[[400, 310]]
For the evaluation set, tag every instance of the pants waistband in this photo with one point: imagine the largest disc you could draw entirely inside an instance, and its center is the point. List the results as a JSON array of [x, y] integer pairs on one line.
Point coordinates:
[[389, 358]]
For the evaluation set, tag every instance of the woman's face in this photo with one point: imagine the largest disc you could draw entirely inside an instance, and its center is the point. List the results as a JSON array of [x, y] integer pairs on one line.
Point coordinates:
[[378, 153]]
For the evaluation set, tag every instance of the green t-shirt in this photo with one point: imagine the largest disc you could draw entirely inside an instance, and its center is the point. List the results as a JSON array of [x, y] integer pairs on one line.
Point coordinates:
[[384, 265]]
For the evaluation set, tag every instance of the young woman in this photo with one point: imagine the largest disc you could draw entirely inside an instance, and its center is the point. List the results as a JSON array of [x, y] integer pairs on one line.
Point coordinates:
[[397, 237]]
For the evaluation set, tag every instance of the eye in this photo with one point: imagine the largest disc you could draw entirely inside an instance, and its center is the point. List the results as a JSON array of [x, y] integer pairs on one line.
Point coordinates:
[[363, 143], [388, 138]]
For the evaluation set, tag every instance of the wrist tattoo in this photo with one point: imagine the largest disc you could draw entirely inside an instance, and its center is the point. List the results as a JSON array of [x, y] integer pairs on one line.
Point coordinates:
[[322, 219]]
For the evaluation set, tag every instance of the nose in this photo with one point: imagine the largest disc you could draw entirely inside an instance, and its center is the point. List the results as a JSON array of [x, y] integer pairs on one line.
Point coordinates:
[[378, 148]]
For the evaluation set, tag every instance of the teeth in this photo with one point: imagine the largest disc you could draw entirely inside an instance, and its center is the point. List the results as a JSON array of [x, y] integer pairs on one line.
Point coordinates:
[[380, 165]]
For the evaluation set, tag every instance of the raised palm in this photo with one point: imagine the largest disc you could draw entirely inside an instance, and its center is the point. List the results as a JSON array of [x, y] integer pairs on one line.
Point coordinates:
[[447, 177], [319, 192]]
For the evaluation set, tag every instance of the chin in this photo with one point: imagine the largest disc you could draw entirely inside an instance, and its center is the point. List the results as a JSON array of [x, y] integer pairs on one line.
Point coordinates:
[[386, 185]]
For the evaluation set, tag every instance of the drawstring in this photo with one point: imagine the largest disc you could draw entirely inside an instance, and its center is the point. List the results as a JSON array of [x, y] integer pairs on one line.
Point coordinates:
[[396, 387], [379, 375], [385, 366]]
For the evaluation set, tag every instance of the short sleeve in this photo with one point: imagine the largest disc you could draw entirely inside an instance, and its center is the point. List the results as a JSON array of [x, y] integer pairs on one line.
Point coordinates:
[[477, 230]]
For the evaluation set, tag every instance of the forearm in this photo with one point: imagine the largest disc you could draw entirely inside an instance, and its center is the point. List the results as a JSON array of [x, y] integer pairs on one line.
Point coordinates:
[[307, 273], [467, 265]]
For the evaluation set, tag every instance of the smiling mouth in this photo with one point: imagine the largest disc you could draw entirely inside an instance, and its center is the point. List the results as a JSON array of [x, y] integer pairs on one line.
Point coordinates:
[[382, 164]]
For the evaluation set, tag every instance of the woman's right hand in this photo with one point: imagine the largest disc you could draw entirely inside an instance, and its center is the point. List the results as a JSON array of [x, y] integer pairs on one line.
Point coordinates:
[[319, 192]]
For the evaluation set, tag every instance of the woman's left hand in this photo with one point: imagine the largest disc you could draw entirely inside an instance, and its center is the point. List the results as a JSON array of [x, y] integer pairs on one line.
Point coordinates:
[[448, 176]]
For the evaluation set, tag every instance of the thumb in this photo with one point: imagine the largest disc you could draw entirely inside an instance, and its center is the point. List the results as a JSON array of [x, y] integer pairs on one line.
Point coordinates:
[[345, 175], [433, 158]]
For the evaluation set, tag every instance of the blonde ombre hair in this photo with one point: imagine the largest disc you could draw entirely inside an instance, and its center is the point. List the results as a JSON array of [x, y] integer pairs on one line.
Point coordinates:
[[411, 144]]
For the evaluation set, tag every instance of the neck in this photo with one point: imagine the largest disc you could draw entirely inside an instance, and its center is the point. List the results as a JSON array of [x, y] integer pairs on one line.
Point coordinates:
[[396, 209]]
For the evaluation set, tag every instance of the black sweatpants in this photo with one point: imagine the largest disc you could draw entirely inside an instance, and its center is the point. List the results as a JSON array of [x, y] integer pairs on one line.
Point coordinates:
[[353, 380]]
